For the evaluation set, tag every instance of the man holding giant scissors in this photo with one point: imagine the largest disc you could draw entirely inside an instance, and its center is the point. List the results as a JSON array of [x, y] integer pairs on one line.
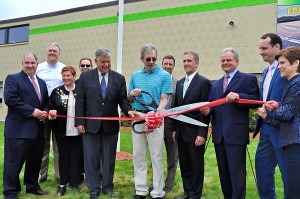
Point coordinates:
[[157, 82]]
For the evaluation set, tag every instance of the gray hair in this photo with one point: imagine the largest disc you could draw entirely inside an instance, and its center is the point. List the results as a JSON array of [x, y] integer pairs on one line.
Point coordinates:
[[29, 54], [195, 55], [53, 44], [148, 48], [103, 51], [235, 53]]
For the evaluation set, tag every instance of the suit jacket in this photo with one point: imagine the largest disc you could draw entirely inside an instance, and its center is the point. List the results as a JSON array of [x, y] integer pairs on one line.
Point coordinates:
[[287, 116], [90, 103], [231, 120], [21, 100], [276, 88], [168, 121], [197, 91]]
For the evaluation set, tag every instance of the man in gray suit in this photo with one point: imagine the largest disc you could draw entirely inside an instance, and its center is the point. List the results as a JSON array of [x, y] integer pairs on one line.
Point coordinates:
[[99, 93], [168, 64]]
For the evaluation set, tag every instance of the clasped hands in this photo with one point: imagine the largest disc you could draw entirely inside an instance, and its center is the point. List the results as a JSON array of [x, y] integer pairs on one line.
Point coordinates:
[[41, 115], [269, 106]]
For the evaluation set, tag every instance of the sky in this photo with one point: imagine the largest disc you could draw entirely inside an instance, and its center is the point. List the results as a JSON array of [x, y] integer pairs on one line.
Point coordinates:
[[11, 9]]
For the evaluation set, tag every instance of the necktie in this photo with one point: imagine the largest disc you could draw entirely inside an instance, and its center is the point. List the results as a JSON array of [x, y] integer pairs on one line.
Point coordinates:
[[225, 82], [35, 87], [185, 85], [267, 82], [103, 85]]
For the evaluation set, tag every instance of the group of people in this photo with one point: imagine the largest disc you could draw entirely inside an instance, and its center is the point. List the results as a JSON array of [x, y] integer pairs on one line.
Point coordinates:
[[40, 92]]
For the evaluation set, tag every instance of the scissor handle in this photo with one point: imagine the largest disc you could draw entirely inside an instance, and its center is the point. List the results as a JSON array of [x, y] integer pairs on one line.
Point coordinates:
[[152, 104], [135, 123]]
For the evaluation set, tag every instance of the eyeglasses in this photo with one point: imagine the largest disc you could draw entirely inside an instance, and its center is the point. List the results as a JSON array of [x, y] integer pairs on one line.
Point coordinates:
[[85, 65], [148, 59]]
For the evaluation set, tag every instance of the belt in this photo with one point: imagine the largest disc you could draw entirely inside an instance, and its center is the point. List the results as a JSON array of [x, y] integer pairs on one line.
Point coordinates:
[[143, 111]]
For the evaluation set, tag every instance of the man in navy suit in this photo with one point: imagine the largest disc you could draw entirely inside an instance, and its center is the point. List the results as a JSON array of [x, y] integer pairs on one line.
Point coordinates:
[[191, 138], [99, 93], [230, 124], [268, 152], [26, 97]]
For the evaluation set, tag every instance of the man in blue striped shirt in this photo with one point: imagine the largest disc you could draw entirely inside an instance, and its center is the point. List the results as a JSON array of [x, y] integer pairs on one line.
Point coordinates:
[[155, 80]]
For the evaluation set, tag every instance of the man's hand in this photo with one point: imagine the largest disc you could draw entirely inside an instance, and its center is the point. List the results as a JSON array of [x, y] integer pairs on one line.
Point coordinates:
[[205, 111], [135, 92], [262, 112], [199, 141], [80, 129], [231, 97], [133, 114], [41, 115]]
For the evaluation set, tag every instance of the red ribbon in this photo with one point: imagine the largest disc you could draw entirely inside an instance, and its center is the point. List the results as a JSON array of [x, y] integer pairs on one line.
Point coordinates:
[[153, 120]]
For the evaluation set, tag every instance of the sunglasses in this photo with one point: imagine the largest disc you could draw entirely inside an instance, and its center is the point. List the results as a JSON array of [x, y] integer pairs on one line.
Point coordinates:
[[151, 58], [85, 65]]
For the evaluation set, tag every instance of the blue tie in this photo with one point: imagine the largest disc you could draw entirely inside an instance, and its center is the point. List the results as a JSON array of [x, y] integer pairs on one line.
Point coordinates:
[[103, 86]]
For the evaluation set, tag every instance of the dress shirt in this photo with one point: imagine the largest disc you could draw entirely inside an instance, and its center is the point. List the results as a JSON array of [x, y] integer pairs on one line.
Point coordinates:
[[50, 74]]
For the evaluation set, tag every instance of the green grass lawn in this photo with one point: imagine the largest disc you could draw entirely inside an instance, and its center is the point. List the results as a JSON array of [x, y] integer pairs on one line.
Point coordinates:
[[124, 184]]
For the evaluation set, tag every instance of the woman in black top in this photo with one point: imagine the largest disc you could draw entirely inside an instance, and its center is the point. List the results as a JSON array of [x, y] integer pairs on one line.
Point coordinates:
[[69, 142]]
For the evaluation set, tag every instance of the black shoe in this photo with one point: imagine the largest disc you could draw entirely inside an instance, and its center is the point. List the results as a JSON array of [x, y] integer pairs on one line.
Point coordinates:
[[39, 192], [167, 189], [42, 180], [93, 196], [110, 193], [159, 198], [139, 197], [75, 189], [61, 190], [183, 197]]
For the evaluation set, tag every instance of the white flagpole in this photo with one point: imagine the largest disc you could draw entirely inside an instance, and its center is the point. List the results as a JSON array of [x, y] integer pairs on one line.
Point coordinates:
[[120, 49]]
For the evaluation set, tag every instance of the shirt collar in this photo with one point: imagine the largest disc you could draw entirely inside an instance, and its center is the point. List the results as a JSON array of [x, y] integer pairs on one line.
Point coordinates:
[[155, 69], [232, 73], [191, 76]]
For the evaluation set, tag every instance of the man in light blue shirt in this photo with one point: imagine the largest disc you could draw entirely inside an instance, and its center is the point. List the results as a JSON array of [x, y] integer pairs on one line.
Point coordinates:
[[153, 79]]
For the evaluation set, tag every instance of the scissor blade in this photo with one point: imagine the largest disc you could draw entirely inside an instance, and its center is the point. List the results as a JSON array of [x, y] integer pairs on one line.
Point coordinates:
[[189, 120], [185, 107]]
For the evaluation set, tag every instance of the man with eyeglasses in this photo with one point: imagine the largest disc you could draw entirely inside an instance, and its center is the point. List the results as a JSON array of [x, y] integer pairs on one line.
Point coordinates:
[[50, 72], [153, 79], [85, 64]]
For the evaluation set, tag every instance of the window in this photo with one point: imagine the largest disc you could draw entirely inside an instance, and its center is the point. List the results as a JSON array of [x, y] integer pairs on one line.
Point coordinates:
[[16, 34], [1, 92], [2, 36]]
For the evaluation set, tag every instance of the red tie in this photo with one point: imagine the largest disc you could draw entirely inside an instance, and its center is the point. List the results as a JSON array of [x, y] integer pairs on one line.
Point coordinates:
[[35, 87], [225, 82]]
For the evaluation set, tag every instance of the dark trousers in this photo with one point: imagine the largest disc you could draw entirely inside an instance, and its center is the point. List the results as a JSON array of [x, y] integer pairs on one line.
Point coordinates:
[[293, 167], [232, 169], [18, 151], [267, 157], [191, 161], [99, 153], [172, 157], [70, 159]]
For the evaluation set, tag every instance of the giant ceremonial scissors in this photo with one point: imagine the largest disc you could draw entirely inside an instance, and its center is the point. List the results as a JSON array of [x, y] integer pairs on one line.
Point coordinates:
[[170, 112]]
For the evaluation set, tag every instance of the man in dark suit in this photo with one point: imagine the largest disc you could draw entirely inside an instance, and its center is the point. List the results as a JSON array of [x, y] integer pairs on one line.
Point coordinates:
[[191, 138], [168, 64], [99, 93], [230, 124], [26, 97], [268, 152]]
